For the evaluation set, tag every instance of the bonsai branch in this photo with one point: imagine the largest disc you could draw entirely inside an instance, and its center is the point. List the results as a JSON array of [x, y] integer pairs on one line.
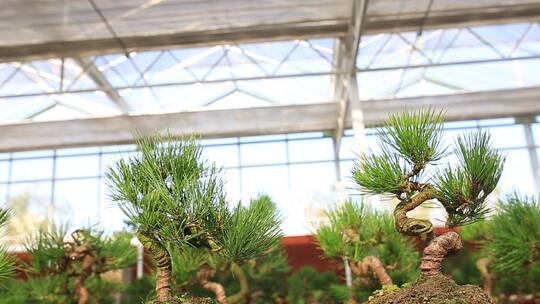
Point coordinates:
[[482, 265], [203, 276], [372, 265], [244, 289], [437, 250], [412, 226]]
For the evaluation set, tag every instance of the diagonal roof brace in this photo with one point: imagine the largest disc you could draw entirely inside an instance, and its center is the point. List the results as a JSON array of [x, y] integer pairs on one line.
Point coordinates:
[[103, 84]]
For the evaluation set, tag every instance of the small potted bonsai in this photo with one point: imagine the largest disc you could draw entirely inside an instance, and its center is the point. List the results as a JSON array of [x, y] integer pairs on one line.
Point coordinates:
[[368, 242], [250, 234], [175, 200], [411, 143], [64, 268]]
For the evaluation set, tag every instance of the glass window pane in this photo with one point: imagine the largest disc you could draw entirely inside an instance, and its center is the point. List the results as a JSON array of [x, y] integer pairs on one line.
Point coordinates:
[[77, 151], [111, 217], [312, 190], [263, 153], [31, 169], [508, 136], [349, 149], [226, 156], [29, 154], [517, 174], [77, 166], [30, 203], [275, 137], [271, 180], [232, 185], [118, 148], [4, 171], [311, 150], [76, 201]]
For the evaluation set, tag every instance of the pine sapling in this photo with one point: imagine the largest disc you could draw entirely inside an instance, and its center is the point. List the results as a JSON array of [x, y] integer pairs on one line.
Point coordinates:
[[172, 197], [410, 143], [58, 262], [514, 242], [248, 234], [368, 242], [7, 262]]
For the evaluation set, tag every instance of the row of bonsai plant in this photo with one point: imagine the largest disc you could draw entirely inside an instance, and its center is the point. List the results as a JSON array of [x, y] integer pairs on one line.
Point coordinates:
[[175, 202]]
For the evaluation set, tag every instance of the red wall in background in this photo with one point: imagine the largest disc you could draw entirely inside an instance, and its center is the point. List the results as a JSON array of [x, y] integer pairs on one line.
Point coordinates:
[[303, 251]]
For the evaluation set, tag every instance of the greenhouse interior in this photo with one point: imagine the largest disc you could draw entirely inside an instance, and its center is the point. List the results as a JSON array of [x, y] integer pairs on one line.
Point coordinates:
[[270, 151]]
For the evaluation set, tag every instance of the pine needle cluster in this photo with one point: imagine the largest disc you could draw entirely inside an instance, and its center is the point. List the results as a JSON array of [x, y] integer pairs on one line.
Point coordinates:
[[515, 236], [7, 262]]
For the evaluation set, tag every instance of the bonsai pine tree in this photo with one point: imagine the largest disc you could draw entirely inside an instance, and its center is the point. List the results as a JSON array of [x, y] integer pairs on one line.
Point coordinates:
[[63, 268], [370, 244], [513, 248], [249, 234], [172, 198], [7, 262], [411, 143], [175, 199]]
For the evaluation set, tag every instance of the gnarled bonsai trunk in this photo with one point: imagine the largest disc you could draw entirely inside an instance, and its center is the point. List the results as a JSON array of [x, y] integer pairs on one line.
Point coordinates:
[[206, 273], [163, 267], [86, 271], [244, 289], [372, 264], [437, 250], [482, 265]]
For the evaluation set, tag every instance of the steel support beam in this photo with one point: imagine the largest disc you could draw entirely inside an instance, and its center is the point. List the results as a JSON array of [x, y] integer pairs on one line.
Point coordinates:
[[445, 17], [102, 83], [346, 53], [259, 121], [449, 17], [58, 49]]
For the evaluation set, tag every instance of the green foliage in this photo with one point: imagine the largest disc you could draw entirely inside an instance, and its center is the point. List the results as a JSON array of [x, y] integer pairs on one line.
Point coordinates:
[[251, 230], [410, 143], [53, 267], [463, 190], [515, 236], [7, 262], [307, 285], [168, 193], [267, 275], [379, 174], [353, 233], [415, 136]]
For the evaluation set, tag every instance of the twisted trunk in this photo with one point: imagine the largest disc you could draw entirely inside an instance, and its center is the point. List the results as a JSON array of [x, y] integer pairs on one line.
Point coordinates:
[[372, 265], [412, 226], [482, 265], [437, 250], [163, 267], [86, 271], [206, 273], [244, 288]]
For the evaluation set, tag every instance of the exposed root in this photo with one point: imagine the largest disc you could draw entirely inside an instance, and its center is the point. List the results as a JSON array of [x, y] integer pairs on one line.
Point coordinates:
[[372, 265], [437, 250], [203, 276]]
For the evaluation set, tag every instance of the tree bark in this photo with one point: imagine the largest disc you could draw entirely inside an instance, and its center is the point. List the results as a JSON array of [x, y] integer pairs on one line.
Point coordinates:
[[163, 267], [482, 265], [372, 264], [206, 273], [437, 250], [244, 288], [412, 226], [86, 271]]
